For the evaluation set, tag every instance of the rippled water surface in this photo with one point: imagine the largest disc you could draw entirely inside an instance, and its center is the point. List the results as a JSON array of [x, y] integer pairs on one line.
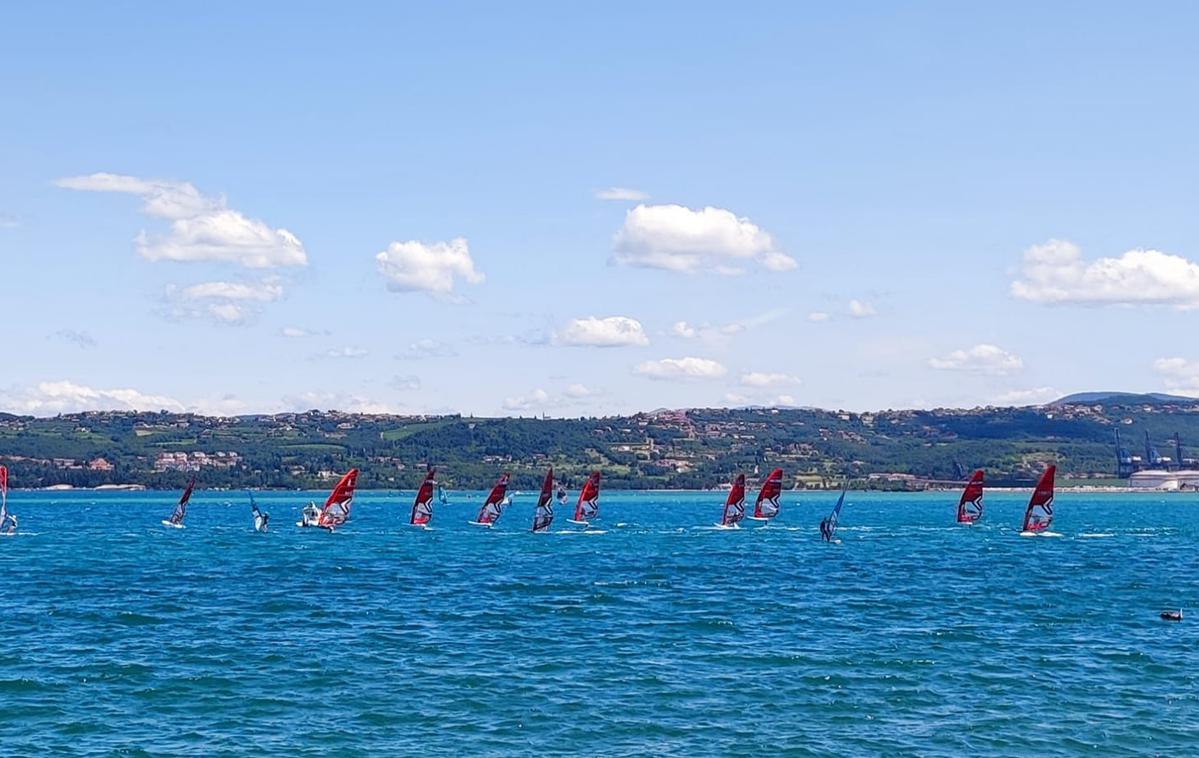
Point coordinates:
[[654, 633]]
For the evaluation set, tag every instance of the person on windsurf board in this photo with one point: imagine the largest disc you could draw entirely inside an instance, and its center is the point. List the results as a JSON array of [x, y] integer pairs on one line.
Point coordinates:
[[1039, 515], [336, 510], [734, 505], [543, 513], [261, 519], [970, 506], [493, 506], [587, 508], [8, 522], [767, 505], [828, 525], [180, 512], [422, 506]]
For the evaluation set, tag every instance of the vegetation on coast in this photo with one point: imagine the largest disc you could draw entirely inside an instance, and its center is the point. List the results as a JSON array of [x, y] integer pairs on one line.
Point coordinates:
[[695, 448]]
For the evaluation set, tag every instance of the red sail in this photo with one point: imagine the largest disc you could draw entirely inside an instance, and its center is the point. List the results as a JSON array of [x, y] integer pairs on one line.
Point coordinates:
[[588, 506], [337, 507], [422, 507], [181, 509], [734, 504], [493, 506], [767, 506], [970, 507], [1039, 514], [3, 493], [543, 514]]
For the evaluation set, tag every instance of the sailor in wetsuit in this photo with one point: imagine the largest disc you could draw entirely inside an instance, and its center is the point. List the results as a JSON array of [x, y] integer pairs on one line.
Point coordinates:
[[311, 515], [260, 519], [826, 531], [9, 525]]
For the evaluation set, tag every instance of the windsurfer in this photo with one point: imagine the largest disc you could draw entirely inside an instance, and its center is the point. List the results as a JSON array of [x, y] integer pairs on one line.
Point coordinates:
[[260, 519], [826, 531], [9, 525]]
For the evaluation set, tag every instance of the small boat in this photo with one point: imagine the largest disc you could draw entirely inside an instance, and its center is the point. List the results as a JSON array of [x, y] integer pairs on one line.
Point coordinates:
[[734, 505], [587, 508], [422, 506], [493, 506], [543, 514], [8, 522], [970, 506], [828, 525], [336, 510], [1172, 615], [767, 505], [180, 512], [1038, 516]]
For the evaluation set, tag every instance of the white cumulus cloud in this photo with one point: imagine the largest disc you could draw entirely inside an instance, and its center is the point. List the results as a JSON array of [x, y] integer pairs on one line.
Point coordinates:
[[1181, 376], [613, 331], [621, 193], [1055, 272], [336, 401], [202, 228], [349, 351], [676, 238], [434, 267], [980, 359], [51, 398], [681, 369], [536, 399]]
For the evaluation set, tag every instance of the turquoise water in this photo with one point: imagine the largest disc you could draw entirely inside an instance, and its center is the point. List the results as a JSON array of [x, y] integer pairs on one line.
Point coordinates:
[[661, 635]]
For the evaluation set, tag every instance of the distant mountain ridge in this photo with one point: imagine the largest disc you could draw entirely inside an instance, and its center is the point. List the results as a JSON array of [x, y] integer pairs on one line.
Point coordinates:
[[1125, 398]]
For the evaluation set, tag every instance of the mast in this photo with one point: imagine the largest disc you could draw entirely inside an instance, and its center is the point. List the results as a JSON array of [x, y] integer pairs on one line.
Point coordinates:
[[3, 495]]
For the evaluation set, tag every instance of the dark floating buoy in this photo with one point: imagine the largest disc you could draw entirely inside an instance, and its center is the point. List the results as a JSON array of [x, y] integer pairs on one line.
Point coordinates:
[[1172, 615]]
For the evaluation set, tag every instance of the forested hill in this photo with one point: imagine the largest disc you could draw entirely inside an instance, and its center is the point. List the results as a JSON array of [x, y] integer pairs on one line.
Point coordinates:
[[687, 448]]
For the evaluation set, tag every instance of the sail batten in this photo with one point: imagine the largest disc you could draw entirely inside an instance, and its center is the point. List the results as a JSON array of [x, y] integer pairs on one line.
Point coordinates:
[[970, 506]]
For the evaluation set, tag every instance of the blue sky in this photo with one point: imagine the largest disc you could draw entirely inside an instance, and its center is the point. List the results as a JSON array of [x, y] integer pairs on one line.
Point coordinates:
[[857, 206]]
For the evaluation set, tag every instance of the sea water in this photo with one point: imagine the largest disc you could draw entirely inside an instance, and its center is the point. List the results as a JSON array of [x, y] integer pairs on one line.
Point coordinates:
[[651, 633]]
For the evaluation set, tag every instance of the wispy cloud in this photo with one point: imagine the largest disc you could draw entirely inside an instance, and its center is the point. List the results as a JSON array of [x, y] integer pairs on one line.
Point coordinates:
[[79, 338], [427, 348], [681, 369], [621, 193], [980, 359], [861, 309]]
